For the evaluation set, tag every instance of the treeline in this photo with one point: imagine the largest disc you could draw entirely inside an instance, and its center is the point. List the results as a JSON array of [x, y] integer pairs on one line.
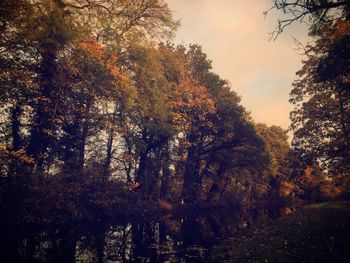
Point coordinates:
[[95, 108], [99, 109]]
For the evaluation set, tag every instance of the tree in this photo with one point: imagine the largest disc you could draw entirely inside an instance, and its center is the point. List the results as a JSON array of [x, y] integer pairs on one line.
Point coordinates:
[[320, 119], [146, 123], [315, 12], [89, 76], [121, 23], [218, 134], [36, 35], [321, 94], [277, 147]]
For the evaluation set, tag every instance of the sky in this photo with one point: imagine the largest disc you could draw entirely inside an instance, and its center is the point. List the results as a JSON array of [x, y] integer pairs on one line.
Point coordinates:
[[235, 35]]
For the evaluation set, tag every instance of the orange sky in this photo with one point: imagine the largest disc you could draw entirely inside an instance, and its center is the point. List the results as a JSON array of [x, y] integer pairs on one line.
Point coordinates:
[[235, 36]]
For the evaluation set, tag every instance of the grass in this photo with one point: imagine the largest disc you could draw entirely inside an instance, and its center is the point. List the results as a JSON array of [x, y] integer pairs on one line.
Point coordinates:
[[316, 233]]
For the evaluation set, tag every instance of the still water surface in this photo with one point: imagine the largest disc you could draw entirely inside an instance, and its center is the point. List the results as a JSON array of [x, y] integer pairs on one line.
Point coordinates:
[[169, 238]]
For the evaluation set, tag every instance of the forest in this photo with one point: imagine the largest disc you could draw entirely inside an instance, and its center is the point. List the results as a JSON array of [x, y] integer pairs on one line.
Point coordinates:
[[104, 119]]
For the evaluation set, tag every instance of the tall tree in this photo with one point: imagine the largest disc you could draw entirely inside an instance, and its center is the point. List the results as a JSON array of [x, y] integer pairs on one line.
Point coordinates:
[[219, 134], [321, 97]]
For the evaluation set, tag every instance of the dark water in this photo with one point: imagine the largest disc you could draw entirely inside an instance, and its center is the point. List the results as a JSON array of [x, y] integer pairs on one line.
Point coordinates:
[[169, 238]]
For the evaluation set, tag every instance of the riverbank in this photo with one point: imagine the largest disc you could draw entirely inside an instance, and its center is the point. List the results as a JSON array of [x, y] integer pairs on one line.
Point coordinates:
[[316, 233]]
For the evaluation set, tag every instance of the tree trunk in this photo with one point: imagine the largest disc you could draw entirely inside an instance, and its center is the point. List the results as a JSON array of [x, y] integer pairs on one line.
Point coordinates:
[[15, 126], [82, 145], [191, 177], [16, 138], [164, 184], [110, 145], [215, 187], [108, 154], [141, 168], [43, 126], [75, 141]]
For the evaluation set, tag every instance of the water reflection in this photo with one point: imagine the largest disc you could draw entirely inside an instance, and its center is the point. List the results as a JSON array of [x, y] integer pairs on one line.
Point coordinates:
[[185, 238]]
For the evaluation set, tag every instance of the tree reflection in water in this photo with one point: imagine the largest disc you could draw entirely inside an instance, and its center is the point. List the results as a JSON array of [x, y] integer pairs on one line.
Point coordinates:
[[186, 238]]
